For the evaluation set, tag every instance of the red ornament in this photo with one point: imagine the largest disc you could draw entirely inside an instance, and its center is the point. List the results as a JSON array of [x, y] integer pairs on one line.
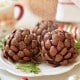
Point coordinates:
[[24, 78]]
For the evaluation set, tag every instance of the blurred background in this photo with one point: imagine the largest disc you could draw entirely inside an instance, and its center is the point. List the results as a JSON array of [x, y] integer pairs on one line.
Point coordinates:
[[34, 11], [46, 9]]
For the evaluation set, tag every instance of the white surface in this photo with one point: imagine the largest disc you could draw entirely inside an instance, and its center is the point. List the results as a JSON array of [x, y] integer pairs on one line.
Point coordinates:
[[67, 12], [73, 77], [28, 20]]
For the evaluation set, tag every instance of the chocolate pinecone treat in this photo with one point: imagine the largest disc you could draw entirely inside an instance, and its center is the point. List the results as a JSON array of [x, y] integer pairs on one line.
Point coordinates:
[[43, 27], [22, 46], [58, 48]]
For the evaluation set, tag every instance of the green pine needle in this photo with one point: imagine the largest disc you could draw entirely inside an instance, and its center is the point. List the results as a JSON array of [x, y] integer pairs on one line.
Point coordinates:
[[77, 45], [2, 40], [28, 67]]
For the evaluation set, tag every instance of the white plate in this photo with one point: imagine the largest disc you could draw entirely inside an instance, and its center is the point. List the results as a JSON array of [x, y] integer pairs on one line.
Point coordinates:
[[45, 69]]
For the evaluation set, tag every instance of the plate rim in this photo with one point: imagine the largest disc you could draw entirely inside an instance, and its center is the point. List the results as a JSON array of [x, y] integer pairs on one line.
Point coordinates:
[[35, 75]]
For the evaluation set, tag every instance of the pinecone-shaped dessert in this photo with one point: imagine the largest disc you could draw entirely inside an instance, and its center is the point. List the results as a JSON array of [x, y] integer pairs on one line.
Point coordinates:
[[43, 27], [58, 48], [22, 46]]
